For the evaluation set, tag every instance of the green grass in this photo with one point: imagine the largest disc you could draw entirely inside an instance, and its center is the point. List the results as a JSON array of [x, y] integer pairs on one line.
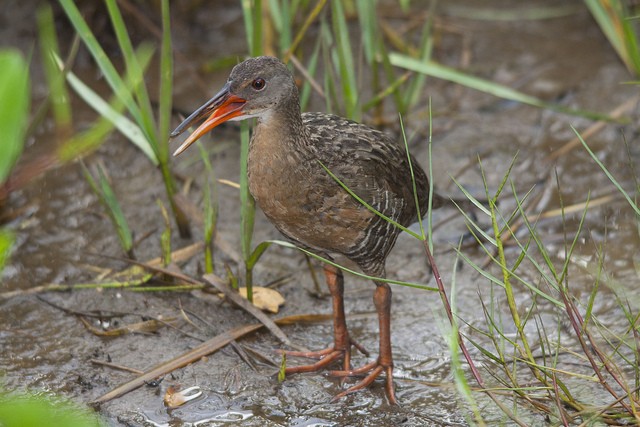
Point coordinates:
[[14, 108], [7, 238], [619, 23], [107, 197], [59, 93], [532, 372], [252, 12], [39, 410], [14, 112], [70, 144], [131, 91], [210, 211]]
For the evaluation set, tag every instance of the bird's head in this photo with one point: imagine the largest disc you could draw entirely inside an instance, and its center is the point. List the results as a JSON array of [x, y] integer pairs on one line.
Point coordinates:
[[255, 88]]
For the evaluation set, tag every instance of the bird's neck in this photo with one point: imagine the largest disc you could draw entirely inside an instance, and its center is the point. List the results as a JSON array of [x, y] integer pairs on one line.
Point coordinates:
[[283, 126]]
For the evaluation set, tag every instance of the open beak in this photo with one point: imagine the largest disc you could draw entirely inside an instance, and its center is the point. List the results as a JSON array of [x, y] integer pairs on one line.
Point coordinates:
[[222, 107]]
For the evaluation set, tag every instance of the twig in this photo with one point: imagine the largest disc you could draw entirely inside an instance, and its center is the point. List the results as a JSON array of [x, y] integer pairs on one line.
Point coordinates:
[[204, 349], [116, 366], [198, 352]]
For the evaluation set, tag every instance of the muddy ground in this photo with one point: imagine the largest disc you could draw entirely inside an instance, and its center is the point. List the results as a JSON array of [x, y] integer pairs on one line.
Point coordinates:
[[64, 236]]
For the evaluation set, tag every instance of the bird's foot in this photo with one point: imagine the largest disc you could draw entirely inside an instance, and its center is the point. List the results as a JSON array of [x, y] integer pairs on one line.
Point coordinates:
[[372, 371], [325, 357]]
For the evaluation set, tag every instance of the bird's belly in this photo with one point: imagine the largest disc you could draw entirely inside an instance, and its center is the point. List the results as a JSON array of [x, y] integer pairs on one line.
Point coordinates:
[[306, 211]]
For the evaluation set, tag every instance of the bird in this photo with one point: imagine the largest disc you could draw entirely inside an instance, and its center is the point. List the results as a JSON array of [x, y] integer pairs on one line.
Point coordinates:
[[289, 155]]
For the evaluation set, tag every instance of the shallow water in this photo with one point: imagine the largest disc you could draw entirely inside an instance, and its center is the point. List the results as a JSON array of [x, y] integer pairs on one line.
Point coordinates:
[[64, 237]]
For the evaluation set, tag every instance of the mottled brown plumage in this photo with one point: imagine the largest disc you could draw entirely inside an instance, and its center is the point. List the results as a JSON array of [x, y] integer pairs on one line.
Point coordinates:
[[307, 205]]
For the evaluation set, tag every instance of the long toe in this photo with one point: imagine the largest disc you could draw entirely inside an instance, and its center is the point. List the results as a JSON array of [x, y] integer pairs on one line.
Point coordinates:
[[325, 356], [373, 371], [325, 360]]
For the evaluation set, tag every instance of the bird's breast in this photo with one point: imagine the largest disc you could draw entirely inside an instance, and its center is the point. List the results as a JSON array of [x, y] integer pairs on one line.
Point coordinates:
[[296, 195]]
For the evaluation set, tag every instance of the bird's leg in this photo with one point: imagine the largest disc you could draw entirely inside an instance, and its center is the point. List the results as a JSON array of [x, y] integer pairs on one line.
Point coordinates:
[[341, 342], [382, 301]]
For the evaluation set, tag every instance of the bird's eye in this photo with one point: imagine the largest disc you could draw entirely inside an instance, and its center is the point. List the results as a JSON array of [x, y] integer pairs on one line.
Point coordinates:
[[258, 84]]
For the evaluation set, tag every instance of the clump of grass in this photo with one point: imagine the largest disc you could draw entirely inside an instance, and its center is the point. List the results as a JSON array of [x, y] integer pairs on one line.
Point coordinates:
[[102, 188], [131, 91], [69, 145], [16, 123], [534, 366]]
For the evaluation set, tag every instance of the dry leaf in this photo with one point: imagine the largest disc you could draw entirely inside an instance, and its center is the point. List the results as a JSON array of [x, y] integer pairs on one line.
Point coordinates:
[[266, 299]]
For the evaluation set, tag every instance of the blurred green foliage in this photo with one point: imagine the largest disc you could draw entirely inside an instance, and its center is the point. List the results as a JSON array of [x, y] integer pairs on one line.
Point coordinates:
[[39, 411], [14, 108]]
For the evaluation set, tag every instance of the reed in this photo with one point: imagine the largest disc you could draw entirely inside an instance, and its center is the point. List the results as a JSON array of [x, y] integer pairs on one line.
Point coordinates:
[[210, 211], [130, 90], [14, 110], [618, 20], [15, 93]]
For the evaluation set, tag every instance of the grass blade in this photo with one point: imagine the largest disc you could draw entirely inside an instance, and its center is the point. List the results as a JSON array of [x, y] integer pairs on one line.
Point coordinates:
[[616, 24], [367, 18], [55, 77], [99, 55], [108, 199], [413, 183], [111, 112], [303, 30], [606, 172], [440, 71], [84, 142], [414, 90], [14, 108], [247, 209], [252, 15], [7, 239], [210, 210], [344, 61], [166, 84], [143, 103], [312, 65], [368, 206], [350, 271], [165, 236]]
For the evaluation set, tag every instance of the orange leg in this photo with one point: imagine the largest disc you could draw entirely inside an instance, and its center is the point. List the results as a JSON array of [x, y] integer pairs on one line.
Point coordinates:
[[342, 343], [382, 301]]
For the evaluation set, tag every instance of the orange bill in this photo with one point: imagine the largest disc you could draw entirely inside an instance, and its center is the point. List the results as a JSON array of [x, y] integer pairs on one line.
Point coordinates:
[[222, 107]]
